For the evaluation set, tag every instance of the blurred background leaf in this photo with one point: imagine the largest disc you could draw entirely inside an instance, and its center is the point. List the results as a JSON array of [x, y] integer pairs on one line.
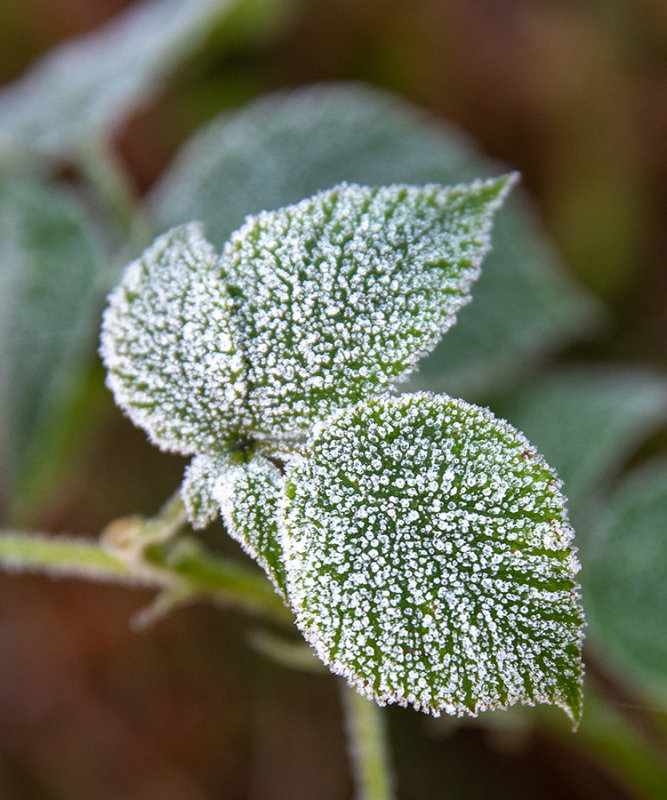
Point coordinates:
[[86, 88], [625, 581], [587, 420], [51, 288]]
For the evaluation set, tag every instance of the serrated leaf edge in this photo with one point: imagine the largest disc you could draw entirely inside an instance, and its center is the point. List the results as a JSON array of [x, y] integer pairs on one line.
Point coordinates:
[[362, 685]]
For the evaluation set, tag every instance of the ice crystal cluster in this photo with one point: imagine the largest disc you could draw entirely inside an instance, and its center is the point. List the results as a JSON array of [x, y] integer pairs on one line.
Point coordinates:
[[422, 544]]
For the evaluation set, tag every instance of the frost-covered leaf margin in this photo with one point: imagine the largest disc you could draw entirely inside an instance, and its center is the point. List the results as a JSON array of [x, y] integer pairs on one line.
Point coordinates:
[[430, 560]]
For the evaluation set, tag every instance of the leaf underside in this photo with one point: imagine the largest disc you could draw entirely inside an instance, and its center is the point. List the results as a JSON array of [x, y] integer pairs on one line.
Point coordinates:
[[430, 561]]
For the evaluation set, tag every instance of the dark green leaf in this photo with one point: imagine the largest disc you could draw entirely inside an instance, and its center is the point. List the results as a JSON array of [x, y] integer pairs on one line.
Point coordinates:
[[430, 560]]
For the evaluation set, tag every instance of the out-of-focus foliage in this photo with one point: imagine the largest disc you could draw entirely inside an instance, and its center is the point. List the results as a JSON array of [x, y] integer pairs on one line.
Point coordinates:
[[626, 587], [573, 95], [52, 267], [83, 90], [587, 421]]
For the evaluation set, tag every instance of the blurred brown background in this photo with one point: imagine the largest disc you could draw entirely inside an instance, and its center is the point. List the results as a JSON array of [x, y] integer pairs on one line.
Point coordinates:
[[574, 95]]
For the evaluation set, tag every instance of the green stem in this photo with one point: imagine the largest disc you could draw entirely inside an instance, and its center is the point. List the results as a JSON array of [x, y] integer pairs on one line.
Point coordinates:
[[186, 570], [225, 581], [62, 556], [368, 746]]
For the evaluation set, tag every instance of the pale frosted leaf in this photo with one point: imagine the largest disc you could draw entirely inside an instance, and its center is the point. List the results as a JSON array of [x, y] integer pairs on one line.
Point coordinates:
[[85, 87], [586, 421], [292, 144], [247, 490], [50, 292], [197, 486], [430, 560], [167, 346], [337, 296], [626, 579]]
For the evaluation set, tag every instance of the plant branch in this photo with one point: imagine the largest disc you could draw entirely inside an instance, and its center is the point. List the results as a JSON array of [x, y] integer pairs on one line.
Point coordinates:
[[138, 551], [369, 750], [63, 556]]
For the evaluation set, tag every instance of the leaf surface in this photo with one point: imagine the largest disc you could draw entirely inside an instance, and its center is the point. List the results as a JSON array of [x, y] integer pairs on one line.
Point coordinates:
[[167, 345], [84, 88], [287, 146], [338, 296], [430, 560], [245, 489], [248, 494]]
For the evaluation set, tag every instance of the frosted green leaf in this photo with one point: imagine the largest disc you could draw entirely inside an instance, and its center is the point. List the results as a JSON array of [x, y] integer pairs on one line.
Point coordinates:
[[50, 291], [197, 487], [85, 87], [245, 489], [290, 145], [626, 579], [430, 560], [247, 493], [586, 421], [168, 349], [339, 295]]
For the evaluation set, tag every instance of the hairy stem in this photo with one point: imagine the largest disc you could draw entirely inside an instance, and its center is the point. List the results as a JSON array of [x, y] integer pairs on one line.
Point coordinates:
[[369, 750]]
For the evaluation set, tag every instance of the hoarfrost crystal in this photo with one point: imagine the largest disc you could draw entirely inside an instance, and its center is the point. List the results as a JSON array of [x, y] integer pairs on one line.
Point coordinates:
[[339, 295], [167, 343], [430, 560]]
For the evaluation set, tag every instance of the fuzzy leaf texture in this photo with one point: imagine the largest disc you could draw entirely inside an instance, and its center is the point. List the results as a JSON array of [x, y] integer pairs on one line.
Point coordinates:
[[338, 296], [430, 560], [309, 309]]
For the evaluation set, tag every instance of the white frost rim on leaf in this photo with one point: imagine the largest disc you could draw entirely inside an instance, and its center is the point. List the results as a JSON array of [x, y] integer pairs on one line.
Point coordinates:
[[404, 698]]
